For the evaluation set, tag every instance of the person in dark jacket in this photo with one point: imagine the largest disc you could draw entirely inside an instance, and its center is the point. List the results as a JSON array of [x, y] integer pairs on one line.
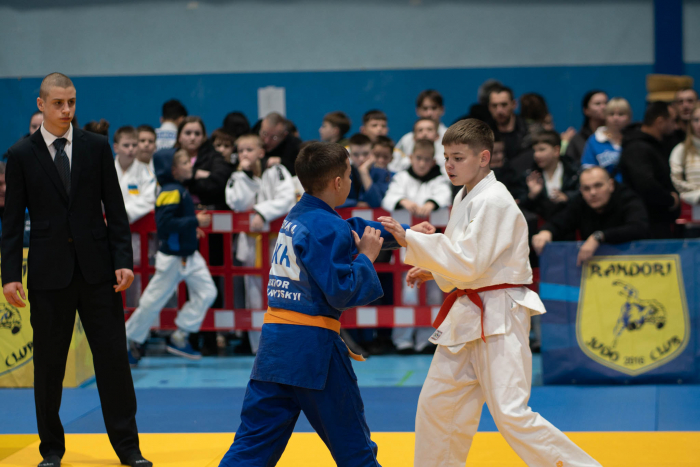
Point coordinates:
[[210, 170], [510, 128], [553, 181], [281, 147], [593, 104], [646, 170], [177, 259], [604, 212]]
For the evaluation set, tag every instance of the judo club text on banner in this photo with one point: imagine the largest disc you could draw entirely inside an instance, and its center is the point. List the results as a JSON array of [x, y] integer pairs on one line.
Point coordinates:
[[627, 315]]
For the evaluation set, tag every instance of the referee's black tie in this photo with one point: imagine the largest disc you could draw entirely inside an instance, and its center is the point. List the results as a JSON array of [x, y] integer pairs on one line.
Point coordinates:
[[62, 163]]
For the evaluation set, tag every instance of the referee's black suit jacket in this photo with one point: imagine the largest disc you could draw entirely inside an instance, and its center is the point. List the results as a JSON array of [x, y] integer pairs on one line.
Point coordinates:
[[73, 256]]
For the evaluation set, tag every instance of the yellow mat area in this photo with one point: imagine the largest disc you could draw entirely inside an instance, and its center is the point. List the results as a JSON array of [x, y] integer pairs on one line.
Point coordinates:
[[611, 449]]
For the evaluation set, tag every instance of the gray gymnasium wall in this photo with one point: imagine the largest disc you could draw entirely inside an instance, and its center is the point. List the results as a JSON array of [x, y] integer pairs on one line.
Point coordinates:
[[89, 38]]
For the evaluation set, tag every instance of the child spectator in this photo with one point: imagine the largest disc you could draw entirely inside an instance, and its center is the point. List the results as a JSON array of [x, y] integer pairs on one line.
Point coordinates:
[[424, 128], [420, 190], [225, 144], [514, 182], [552, 182], [369, 183], [593, 104], [429, 104], [270, 195], [177, 259], [147, 145], [173, 113], [136, 181], [645, 169], [334, 127], [100, 128], [383, 150], [685, 161], [374, 123], [604, 146]]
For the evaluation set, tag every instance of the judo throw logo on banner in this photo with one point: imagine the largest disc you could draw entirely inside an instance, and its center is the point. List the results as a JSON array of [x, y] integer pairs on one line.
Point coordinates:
[[632, 312]]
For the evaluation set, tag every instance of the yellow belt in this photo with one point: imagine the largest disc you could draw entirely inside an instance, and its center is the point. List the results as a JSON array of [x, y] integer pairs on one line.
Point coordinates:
[[281, 316]]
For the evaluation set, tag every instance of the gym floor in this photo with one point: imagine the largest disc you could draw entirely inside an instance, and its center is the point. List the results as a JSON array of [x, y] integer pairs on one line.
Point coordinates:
[[188, 413]]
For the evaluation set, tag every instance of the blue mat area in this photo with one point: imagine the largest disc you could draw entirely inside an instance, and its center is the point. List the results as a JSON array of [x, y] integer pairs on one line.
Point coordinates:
[[190, 410]]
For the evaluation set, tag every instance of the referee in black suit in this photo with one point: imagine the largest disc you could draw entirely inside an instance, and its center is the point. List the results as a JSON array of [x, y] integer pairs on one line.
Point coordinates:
[[64, 176]]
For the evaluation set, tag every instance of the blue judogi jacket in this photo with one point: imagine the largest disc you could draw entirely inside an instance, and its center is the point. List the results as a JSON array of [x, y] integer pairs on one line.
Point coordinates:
[[313, 272]]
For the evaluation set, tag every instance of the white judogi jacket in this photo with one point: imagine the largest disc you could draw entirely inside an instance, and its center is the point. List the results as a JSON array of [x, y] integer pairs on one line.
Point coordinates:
[[485, 243], [272, 196], [138, 185], [405, 185]]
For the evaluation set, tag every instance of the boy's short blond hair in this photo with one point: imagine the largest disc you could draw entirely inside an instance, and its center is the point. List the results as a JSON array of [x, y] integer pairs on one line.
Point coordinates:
[[618, 104], [424, 144], [472, 132], [426, 119], [258, 140], [339, 120], [180, 154]]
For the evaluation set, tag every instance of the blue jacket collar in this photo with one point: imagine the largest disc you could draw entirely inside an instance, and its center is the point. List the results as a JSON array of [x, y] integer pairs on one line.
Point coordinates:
[[314, 202]]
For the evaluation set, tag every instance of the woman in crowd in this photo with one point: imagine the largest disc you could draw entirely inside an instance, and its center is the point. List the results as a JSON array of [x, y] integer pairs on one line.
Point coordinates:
[[593, 105], [211, 171], [604, 145], [685, 161]]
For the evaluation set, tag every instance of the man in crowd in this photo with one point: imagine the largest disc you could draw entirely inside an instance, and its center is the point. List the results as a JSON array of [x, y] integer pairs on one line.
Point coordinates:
[[173, 113], [280, 146], [510, 128], [604, 212], [645, 169]]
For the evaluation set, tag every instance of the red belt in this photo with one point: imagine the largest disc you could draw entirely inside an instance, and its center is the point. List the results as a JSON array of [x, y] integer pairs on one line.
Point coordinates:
[[473, 295]]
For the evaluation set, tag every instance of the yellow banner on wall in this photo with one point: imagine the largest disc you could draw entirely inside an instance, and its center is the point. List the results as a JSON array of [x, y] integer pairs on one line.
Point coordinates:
[[16, 347], [632, 313]]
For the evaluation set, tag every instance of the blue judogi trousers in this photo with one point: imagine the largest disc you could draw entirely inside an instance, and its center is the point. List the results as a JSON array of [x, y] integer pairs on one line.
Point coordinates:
[[270, 411]]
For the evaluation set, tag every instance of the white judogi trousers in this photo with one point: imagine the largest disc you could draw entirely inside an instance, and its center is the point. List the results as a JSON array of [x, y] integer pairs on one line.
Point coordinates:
[[169, 272], [498, 372]]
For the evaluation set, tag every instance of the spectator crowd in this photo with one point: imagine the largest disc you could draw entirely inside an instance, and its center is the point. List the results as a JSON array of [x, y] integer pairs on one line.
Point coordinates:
[[614, 180]]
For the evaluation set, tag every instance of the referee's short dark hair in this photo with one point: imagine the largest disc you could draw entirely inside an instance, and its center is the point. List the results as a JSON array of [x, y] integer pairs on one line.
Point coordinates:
[[173, 110]]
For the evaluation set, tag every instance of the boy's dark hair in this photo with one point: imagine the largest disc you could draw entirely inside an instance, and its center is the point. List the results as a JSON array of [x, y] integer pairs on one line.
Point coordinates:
[[173, 109], [426, 119], [101, 127], [222, 135], [425, 144], [319, 163], [373, 114], [472, 132], [147, 128], [35, 114], [125, 131], [431, 94], [358, 139], [339, 120], [236, 124], [383, 141], [499, 89], [533, 107], [655, 110], [549, 137]]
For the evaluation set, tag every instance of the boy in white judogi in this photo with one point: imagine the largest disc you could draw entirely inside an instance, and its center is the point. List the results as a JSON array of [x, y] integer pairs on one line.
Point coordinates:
[[482, 332], [137, 182]]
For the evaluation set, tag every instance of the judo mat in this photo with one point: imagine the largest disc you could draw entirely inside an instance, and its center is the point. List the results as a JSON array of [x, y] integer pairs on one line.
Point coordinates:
[[188, 413]]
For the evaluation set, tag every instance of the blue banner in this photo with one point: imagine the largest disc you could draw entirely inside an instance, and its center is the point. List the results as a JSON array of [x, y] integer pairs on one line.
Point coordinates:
[[629, 315]]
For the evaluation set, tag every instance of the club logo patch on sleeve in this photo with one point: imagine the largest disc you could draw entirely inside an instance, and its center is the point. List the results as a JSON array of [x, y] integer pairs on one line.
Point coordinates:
[[632, 313]]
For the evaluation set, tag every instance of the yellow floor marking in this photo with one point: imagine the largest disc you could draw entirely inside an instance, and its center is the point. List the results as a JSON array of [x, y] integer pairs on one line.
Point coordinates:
[[611, 449]]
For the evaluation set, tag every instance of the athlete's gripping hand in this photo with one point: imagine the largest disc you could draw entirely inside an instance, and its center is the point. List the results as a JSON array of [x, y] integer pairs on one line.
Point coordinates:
[[416, 276], [370, 244], [10, 291], [395, 229], [424, 228]]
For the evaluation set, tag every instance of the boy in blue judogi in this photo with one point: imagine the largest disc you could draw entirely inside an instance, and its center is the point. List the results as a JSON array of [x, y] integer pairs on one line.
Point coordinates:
[[302, 363]]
